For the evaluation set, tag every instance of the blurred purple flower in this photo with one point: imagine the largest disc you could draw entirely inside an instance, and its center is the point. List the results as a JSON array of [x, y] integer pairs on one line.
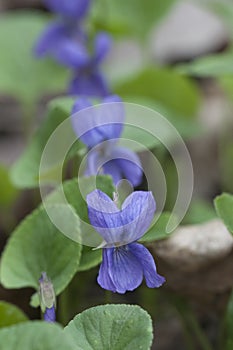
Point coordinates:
[[99, 129], [69, 8], [124, 261], [65, 42], [47, 298], [88, 79]]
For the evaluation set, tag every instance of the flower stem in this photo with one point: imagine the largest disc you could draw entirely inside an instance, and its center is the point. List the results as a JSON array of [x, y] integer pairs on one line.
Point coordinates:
[[108, 297], [191, 325], [64, 307]]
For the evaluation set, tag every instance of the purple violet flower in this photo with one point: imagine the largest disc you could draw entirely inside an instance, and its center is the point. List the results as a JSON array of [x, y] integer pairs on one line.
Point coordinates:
[[100, 129], [47, 298], [124, 261], [69, 8]]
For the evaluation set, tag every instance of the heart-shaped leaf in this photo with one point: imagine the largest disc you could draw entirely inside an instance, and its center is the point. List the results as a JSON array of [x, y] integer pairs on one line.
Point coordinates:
[[35, 246], [111, 327]]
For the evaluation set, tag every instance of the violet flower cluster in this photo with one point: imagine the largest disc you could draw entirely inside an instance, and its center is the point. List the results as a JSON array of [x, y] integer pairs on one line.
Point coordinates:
[[125, 261], [100, 128], [66, 41]]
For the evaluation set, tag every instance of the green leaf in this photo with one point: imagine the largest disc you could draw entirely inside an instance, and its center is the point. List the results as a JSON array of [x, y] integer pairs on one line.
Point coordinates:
[[10, 314], [186, 126], [75, 192], [90, 258], [229, 345], [224, 207], [226, 83], [158, 229], [75, 197], [25, 172], [7, 190], [35, 335], [35, 246], [216, 65], [22, 75], [199, 212], [111, 327], [143, 139], [224, 10], [132, 17], [165, 86], [36, 243]]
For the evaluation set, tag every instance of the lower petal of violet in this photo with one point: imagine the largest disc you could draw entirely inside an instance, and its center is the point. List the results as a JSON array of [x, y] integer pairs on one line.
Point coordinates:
[[144, 257], [124, 270], [104, 278]]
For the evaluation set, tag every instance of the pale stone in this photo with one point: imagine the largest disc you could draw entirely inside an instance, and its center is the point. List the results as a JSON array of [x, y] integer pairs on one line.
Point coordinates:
[[192, 247], [189, 30]]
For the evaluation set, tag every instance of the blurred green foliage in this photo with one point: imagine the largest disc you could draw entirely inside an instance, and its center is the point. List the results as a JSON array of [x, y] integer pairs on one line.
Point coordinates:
[[10, 314], [224, 208], [214, 66], [131, 17], [8, 192], [158, 230], [199, 212], [25, 172], [164, 86], [22, 75]]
